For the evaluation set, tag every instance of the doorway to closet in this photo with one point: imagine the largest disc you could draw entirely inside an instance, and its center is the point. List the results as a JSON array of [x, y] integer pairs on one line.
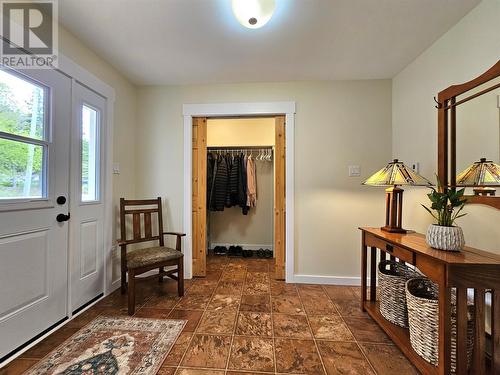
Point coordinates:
[[238, 186]]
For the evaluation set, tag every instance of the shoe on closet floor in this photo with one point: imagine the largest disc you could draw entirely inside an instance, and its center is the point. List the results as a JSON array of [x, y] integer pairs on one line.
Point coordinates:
[[220, 250], [239, 251], [231, 251]]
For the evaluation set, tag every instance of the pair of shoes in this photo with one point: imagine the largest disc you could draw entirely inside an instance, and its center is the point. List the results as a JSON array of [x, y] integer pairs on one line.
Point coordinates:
[[235, 251], [268, 253], [220, 250], [260, 253], [247, 253]]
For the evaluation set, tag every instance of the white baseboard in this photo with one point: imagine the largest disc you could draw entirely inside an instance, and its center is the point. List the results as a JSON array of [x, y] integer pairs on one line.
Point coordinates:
[[245, 246], [326, 280]]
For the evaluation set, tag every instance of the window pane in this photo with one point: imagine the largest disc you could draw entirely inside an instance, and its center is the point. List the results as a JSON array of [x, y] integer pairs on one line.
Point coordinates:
[[90, 154], [22, 106], [21, 170]]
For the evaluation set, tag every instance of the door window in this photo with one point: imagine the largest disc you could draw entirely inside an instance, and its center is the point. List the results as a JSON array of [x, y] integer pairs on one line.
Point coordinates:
[[23, 137], [89, 154]]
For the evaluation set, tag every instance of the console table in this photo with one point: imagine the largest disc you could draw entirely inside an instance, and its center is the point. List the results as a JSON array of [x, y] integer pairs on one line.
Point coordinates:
[[469, 268]]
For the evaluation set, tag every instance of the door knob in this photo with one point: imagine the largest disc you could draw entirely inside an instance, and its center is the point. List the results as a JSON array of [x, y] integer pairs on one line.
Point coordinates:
[[62, 217]]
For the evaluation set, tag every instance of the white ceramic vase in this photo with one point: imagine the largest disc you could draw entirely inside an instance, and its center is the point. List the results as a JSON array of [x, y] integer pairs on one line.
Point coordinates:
[[445, 238]]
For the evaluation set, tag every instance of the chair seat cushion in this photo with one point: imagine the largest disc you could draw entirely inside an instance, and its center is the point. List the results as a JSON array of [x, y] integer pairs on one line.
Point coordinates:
[[151, 255]]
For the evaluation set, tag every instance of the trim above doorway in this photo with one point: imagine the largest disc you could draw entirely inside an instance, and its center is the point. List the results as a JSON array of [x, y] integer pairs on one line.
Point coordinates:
[[240, 110]]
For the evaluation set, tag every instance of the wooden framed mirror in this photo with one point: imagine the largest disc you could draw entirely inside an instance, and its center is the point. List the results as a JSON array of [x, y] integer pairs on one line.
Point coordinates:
[[469, 137]]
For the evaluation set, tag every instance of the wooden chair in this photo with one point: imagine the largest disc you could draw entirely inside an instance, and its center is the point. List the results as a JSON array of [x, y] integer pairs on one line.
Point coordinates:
[[138, 261]]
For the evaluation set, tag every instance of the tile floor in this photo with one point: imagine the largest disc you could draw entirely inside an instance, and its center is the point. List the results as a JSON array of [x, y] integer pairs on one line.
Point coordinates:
[[242, 321]]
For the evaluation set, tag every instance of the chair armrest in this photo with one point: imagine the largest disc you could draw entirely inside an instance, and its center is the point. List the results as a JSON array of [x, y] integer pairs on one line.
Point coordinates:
[[175, 234], [121, 242], [178, 242]]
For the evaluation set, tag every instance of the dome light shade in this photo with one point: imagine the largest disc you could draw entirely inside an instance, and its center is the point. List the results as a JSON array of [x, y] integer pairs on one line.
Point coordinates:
[[253, 14]]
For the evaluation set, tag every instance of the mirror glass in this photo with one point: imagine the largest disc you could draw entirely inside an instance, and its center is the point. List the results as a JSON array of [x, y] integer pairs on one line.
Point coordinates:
[[478, 137]]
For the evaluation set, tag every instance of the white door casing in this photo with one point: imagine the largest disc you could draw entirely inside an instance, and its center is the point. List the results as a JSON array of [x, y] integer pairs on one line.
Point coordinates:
[[33, 245], [86, 196], [249, 110], [14, 218]]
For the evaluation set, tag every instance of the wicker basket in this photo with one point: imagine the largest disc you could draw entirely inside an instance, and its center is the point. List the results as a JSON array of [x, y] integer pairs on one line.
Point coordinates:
[[423, 314], [392, 277]]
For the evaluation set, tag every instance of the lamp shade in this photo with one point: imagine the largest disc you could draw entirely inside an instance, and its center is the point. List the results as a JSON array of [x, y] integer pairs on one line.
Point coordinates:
[[481, 173], [396, 173]]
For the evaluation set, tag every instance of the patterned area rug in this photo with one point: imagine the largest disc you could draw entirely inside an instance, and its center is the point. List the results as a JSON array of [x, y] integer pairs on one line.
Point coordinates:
[[109, 346]]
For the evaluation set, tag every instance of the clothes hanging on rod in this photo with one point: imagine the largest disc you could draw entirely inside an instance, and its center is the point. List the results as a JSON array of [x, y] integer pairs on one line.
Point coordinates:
[[251, 183], [231, 177], [242, 185], [220, 184]]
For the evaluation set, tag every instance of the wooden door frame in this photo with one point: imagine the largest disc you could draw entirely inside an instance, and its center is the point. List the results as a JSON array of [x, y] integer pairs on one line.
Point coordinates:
[[286, 109]]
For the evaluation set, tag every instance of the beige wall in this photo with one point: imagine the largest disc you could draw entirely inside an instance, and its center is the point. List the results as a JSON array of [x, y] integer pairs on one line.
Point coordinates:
[[124, 126], [240, 132], [231, 226], [465, 51], [337, 124]]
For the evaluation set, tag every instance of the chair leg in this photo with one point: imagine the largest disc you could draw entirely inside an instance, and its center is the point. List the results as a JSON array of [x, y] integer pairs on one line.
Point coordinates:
[[160, 270], [180, 276], [124, 282], [131, 292]]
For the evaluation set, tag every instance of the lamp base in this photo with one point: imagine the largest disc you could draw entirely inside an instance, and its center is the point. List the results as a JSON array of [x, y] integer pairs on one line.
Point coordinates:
[[485, 191], [393, 210], [390, 229]]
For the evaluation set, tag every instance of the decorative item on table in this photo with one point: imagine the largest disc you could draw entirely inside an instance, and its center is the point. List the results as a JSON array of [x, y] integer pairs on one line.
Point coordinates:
[[482, 175], [392, 278], [423, 317], [446, 207], [395, 174]]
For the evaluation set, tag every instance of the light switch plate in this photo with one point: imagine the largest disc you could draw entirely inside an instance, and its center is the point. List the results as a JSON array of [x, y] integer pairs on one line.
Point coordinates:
[[116, 168], [415, 166], [354, 171]]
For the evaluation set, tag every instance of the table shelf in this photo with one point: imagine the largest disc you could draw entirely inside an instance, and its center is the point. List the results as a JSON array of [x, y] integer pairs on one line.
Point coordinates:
[[401, 337]]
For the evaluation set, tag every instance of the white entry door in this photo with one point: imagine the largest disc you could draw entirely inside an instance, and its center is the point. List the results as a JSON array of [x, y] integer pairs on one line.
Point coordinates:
[[87, 207], [35, 118]]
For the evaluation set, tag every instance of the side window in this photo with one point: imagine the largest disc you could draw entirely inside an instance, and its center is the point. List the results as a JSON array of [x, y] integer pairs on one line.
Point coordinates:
[[90, 124], [23, 137]]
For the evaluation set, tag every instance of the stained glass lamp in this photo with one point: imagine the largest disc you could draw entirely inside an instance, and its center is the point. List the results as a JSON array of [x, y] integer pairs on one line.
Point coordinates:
[[393, 175], [481, 175]]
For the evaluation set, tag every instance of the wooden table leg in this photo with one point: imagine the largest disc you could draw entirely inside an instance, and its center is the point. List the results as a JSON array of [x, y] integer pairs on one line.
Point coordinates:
[[461, 350], [373, 274], [444, 329], [364, 254], [478, 362], [495, 331]]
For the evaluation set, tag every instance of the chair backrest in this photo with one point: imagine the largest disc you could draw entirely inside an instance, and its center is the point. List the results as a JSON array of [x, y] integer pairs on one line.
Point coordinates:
[[141, 209]]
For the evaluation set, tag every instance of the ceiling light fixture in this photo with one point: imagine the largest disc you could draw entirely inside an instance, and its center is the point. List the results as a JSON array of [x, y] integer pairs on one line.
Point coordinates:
[[253, 13]]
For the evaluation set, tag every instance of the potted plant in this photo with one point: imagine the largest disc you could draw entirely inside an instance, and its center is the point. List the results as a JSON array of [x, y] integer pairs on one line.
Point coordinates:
[[446, 207]]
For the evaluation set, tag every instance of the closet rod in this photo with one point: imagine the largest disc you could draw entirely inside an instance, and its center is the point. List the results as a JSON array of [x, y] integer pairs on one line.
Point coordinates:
[[211, 148]]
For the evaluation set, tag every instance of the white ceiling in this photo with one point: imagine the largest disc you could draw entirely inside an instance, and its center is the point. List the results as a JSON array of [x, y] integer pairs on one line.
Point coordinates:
[[157, 42]]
